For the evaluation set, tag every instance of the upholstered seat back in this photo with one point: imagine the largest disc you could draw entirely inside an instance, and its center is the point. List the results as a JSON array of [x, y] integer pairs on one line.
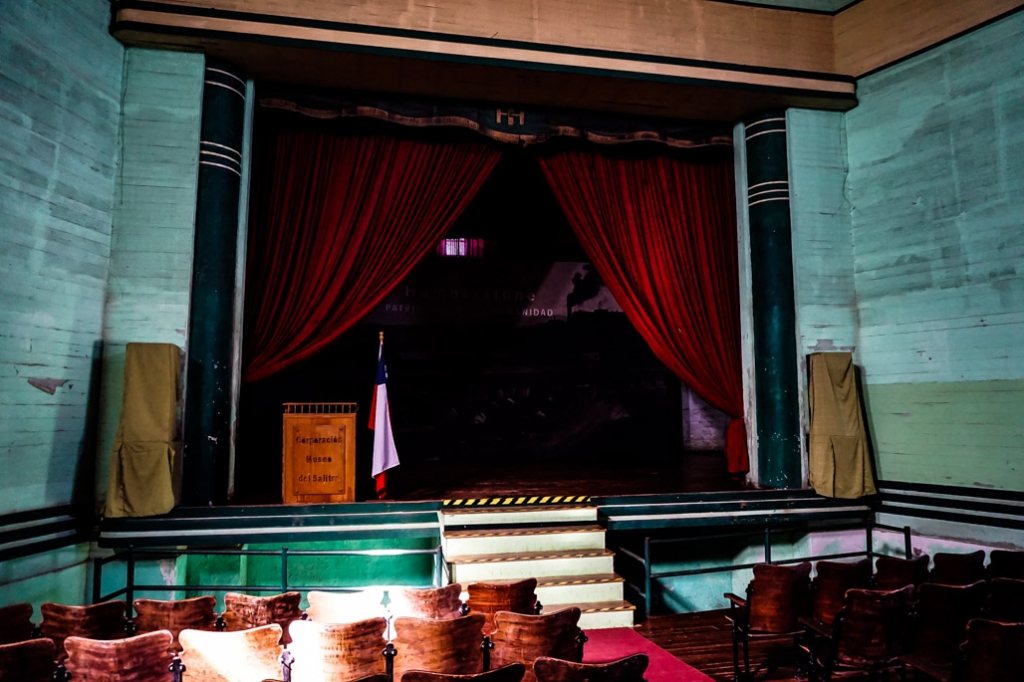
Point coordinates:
[[871, 628], [336, 652], [446, 646], [174, 616], [958, 569], [521, 638], [892, 573], [438, 602], [143, 658], [832, 581], [516, 596], [779, 596]]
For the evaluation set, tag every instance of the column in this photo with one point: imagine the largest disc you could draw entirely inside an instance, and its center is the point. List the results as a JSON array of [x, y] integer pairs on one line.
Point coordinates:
[[774, 320], [209, 364]]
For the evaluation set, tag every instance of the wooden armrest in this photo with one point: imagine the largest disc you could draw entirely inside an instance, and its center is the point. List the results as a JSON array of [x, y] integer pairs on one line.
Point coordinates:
[[737, 600], [816, 627]]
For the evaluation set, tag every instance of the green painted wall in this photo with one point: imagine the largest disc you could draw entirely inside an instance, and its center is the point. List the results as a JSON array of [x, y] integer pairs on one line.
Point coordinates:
[[60, 87], [151, 253], [59, 576], [936, 157]]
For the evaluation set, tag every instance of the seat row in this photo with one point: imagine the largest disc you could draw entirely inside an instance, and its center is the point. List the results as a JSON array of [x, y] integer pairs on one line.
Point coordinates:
[[529, 647], [949, 568], [109, 620], [251, 655], [847, 618]]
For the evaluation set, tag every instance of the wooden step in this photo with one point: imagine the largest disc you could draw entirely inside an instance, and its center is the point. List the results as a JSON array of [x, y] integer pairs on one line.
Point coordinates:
[[475, 567], [575, 589], [605, 614], [457, 517], [476, 541]]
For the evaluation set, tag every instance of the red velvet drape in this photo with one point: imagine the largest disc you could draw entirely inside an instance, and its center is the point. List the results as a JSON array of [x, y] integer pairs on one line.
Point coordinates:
[[662, 234], [343, 220]]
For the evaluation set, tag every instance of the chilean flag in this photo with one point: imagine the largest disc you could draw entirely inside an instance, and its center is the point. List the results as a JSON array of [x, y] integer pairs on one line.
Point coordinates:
[[385, 455]]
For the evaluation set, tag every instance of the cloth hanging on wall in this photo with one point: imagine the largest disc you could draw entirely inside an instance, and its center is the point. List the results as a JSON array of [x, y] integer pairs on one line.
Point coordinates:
[[145, 471], [342, 220], [661, 232], [840, 465]]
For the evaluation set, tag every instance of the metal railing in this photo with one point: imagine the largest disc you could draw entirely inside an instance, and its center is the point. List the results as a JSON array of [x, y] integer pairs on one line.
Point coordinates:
[[767, 532], [440, 576]]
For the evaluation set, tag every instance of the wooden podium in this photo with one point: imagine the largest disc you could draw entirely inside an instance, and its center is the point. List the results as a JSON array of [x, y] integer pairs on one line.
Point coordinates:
[[319, 453]]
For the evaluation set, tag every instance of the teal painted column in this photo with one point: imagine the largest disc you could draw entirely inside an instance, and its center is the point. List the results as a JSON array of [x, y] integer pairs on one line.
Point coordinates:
[[208, 384], [774, 319]]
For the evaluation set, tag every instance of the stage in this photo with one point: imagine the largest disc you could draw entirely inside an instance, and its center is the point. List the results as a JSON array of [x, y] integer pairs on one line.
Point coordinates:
[[691, 472]]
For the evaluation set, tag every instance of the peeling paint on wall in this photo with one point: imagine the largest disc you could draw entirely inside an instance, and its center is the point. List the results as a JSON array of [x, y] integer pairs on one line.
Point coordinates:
[[47, 385]]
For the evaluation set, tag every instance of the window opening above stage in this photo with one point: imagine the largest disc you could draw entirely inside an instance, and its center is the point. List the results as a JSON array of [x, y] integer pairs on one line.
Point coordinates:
[[461, 247]]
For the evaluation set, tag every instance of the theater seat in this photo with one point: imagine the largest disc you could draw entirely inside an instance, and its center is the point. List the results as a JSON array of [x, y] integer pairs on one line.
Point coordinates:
[[98, 621], [16, 623], [523, 638], [242, 611], [449, 646], [776, 599], [509, 673], [239, 656], [175, 615], [628, 669], [958, 569], [142, 658], [28, 661], [892, 573], [334, 652], [438, 602]]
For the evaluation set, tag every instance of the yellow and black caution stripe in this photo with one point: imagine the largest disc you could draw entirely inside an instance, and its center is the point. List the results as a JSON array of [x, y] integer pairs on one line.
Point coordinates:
[[516, 532], [605, 609], [518, 501]]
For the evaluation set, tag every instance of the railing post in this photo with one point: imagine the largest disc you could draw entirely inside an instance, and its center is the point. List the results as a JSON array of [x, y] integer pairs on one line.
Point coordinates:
[[284, 569], [767, 544], [129, 592], [486, 646], [389, 654], [908, 547], [97, 579], [870, 542], [648, 597], [286, 661], [438, 567]]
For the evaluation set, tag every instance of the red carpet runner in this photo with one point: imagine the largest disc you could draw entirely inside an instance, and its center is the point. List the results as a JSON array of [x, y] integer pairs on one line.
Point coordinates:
[[615, 643]]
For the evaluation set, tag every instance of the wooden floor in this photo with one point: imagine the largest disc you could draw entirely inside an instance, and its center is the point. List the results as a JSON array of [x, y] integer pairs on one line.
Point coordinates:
[[690, 472], [704, 641]]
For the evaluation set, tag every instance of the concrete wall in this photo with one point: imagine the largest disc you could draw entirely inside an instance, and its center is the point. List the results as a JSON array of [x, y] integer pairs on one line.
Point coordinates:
[[936, 156], [154, 217], [823, 286], [60, 88]]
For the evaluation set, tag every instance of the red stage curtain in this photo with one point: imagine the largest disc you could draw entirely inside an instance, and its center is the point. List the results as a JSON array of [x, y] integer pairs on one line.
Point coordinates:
[[662, 234], [342, 221]]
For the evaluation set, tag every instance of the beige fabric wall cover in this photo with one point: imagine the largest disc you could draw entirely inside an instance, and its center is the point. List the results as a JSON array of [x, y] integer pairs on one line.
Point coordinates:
[[839, 462], [145, 463]]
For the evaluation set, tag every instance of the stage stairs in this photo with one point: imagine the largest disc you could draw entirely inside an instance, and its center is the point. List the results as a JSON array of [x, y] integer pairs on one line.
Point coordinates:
[[563, 546]]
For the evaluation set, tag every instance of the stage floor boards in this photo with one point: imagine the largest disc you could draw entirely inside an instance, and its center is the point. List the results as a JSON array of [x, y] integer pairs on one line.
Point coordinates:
[[693, 472]]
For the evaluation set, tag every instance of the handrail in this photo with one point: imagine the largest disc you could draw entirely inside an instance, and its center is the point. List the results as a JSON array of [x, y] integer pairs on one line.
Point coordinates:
[[767, 532], [131, 554]]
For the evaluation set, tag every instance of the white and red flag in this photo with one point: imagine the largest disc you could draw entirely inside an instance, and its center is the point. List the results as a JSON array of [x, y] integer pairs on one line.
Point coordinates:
[[385, 456]]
